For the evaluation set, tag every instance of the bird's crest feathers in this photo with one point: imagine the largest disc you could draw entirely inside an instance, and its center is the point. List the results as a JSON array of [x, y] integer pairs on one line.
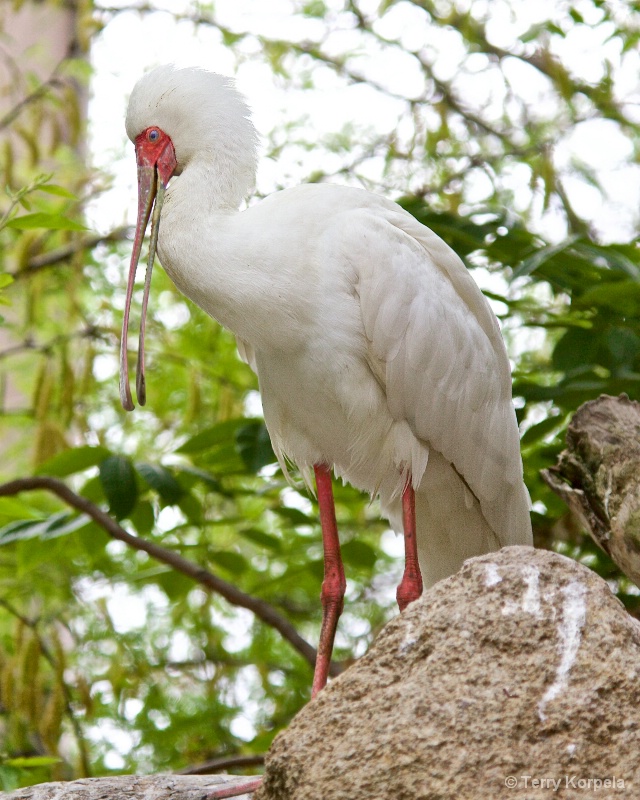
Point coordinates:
[[207, 119]]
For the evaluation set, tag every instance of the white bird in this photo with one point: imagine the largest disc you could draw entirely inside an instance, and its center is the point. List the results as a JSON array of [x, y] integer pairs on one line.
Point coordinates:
[[378, 357]]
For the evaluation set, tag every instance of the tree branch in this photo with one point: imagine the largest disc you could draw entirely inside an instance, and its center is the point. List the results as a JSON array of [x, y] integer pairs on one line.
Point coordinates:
[[263, 610], [598, 477], [541, 59], [139, 787], [53, 257], [29, 345], [53, 82]]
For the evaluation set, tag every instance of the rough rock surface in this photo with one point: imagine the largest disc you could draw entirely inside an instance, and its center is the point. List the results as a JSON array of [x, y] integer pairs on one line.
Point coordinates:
[[519, 677]]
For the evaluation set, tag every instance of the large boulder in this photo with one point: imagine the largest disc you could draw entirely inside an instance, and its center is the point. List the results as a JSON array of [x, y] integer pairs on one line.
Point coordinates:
[[517, 677]]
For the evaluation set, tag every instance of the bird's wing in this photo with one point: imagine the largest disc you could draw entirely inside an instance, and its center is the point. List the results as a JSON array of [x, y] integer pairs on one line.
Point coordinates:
[[435, 346]]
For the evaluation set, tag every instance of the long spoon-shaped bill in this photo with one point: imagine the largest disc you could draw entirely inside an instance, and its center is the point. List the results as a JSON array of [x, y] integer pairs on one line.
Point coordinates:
[[141, 384], [147, 186]]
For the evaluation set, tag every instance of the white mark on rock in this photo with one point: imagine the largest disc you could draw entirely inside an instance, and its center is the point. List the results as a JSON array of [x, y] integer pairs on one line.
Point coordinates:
[[492, 575], [574, 612], [530, 602], [549, 598], [571, 748], [531, 598], [409, 639], [510, 608]]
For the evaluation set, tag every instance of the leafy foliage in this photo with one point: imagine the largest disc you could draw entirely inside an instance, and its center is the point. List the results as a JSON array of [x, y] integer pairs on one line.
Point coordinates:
[[111, 660]]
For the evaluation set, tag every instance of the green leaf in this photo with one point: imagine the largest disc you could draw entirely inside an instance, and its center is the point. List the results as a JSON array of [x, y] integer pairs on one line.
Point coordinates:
[[210, 437], [577, 347], [530, 264], [93, 490], [65, 523], [17, 509], [553, 28], [614, 256], [9, 778], [359, 554], [230, 38], [162, 481], [541, 429], [52, 527], [54, 222], [59, 191], [143, 518], [191, 507], [620, 297], [75, 460], [314, 8], [191, 475], [294, 516], [254, 445], [22, 529], [233, 562], [174, 584], [225, 460], [118, 478], [262, 539], [5, 280], [31, 762], [623, 344]]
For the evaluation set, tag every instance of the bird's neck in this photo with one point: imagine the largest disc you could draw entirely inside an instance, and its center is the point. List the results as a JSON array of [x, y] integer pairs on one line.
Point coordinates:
[[204, 250], [211, 185]]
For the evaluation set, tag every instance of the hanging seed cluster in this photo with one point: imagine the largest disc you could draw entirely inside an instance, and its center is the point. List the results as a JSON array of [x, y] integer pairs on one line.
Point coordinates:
[[33, 702]]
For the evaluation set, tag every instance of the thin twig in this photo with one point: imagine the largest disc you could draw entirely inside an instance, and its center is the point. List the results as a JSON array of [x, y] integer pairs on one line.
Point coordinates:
[[30, 345], [52, 83], [60, 254], [221, 764]]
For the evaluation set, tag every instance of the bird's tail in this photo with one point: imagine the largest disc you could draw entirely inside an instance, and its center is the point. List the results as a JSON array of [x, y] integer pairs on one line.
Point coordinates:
[[451, 525]]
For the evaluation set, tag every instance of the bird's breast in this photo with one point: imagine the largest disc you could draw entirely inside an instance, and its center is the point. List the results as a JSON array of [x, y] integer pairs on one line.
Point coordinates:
[[266, 280]]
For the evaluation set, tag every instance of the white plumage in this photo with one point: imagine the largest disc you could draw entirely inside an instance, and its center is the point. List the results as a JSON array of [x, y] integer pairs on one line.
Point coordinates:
[[375, 351]]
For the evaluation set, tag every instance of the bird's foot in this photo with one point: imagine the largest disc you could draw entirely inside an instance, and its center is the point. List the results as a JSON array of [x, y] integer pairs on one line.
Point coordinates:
[[410, 589]]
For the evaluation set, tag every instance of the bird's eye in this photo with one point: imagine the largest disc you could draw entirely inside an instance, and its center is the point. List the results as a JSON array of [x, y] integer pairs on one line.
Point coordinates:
[[153, 135]]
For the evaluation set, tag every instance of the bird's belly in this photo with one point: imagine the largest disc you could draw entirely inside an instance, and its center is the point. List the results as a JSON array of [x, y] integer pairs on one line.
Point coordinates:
[[341, 418], [333, 411]]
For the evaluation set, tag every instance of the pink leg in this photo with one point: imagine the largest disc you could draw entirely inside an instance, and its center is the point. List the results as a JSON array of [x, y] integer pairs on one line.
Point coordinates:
[[410, 587], [248, 787], [334, 584]]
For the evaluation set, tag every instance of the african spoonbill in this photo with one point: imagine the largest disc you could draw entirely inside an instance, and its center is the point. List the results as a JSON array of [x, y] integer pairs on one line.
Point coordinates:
[[378, 357]]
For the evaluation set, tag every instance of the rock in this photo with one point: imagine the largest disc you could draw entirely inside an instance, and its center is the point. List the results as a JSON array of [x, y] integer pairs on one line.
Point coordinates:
[[518, 677]]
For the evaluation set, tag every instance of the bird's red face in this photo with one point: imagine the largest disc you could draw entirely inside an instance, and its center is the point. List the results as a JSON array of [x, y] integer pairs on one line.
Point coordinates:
[[156, 164]]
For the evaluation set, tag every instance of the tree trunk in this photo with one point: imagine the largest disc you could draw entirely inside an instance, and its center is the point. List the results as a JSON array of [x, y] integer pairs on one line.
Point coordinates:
[[598, 477]]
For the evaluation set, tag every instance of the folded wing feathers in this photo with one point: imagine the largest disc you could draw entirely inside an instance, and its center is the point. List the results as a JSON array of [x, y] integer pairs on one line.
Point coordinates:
[[445, 367]]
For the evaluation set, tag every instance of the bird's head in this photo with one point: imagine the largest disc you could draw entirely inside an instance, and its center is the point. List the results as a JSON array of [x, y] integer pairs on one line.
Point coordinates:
[[179, 118]]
